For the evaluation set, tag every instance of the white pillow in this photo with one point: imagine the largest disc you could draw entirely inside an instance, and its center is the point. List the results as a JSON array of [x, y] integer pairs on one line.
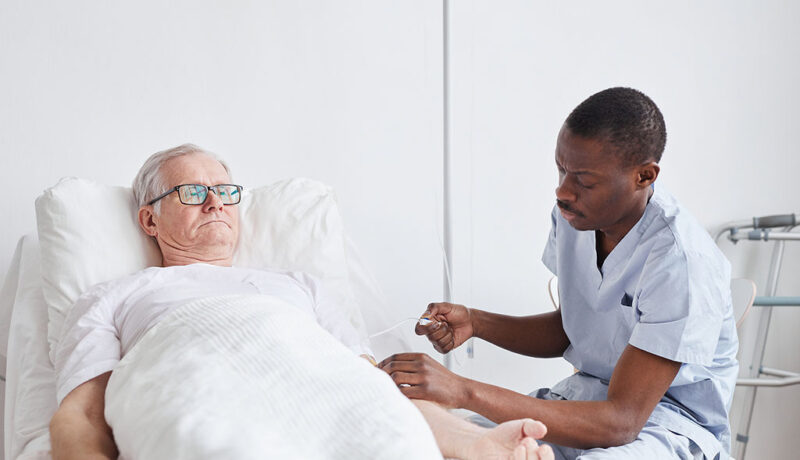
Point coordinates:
[[295, 225], [89, 234]]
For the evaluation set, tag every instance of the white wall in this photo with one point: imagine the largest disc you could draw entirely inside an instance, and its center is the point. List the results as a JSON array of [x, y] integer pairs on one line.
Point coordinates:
[[725, 75]]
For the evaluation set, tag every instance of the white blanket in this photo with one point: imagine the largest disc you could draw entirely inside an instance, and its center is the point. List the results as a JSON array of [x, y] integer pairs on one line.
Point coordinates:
[[251, 377]]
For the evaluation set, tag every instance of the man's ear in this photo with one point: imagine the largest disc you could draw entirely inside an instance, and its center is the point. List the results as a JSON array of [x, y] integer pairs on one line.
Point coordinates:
[[147, 221], [647, 174]]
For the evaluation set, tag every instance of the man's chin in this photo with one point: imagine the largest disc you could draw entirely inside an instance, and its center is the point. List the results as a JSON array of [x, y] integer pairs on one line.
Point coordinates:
[[219, 237], [579, 224]]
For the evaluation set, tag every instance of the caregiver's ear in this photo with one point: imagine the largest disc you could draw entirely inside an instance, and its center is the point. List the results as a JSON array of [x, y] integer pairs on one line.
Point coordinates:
[[646, 174]]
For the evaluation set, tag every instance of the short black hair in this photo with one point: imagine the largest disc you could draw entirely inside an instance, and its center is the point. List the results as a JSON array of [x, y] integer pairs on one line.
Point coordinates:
[[627, 119]]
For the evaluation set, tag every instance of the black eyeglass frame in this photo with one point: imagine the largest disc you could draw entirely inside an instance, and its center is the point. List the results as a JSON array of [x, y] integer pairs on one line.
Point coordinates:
[[208, 188]]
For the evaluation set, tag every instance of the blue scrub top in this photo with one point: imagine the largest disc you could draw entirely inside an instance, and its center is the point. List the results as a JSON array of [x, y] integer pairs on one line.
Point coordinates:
[[665, 289]]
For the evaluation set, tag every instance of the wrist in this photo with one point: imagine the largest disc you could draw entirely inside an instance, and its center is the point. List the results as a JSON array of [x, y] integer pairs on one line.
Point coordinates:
[[466, 393], [474, 321]]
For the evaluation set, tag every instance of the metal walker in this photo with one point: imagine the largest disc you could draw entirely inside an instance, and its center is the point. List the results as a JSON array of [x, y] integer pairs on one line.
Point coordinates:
[[752, 373]]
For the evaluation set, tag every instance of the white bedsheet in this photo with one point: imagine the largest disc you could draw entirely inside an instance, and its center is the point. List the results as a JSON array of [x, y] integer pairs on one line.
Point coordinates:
[[30, 386], [251, 377]]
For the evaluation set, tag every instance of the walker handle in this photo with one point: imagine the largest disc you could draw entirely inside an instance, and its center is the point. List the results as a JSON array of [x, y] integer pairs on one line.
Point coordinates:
[[780, 220]]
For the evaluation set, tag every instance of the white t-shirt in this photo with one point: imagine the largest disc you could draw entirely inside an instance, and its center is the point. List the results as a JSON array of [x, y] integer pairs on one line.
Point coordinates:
[[109, 319]]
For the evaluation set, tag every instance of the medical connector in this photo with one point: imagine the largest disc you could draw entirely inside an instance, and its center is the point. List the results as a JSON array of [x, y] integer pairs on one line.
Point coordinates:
[[422, 321]]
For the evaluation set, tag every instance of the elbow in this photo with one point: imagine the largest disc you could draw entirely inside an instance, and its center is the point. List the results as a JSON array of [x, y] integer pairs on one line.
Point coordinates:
[[623, 430], [55, 433], [55, 421], [618, 424], [623, 436]]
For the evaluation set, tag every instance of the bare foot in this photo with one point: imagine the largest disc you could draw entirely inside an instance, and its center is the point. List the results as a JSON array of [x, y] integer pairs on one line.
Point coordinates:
[[458, 438], [514, 440]]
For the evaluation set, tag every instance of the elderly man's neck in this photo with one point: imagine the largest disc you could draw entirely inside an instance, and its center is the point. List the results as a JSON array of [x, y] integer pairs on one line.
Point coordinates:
[[175, 258], [184, 260]]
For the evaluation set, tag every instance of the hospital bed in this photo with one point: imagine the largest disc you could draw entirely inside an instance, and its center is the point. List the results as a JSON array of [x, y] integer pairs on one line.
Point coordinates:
[[87, 234]]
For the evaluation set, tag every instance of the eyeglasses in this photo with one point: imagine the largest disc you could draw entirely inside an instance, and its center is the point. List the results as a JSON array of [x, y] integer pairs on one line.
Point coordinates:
[[194, 194]]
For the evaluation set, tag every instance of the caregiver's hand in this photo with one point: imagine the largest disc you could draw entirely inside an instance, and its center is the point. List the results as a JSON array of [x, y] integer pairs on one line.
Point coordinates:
[[450, 326], [421, 377]]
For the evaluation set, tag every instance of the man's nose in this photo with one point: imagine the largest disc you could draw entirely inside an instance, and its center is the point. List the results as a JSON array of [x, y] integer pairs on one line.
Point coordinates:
[[564, 191], [212, 203]]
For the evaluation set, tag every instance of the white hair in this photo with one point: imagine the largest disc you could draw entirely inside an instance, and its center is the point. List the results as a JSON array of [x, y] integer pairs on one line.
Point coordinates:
[[149, 182]]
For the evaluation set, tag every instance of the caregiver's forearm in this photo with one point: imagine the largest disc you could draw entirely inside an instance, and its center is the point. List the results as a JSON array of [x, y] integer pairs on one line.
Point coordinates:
[[541, 336], [580, 424]]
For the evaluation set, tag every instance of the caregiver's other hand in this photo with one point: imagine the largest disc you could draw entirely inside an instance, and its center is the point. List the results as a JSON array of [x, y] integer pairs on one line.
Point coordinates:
[[450, 325], [421, 377]]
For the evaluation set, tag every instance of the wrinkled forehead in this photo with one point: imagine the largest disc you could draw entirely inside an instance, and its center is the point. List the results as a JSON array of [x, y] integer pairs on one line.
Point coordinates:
[[575, 152], [195, 168]]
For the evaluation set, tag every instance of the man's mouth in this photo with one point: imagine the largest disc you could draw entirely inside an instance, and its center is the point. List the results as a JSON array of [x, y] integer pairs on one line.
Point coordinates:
[[215, 222], [567, 210]]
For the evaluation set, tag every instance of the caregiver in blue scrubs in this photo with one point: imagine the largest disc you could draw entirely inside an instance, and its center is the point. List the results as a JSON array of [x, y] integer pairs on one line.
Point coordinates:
[[645, 315]]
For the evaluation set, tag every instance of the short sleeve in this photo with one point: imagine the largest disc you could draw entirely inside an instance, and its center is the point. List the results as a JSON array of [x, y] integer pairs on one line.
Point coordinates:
[[679, 306], [550, 256], [89, 345]]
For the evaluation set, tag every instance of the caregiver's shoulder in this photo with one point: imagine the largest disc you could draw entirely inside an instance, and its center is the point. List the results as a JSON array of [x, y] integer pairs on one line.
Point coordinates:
[[686, 237]]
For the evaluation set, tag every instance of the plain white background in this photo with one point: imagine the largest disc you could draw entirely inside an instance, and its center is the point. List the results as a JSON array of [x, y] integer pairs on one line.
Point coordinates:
[[351, 93]]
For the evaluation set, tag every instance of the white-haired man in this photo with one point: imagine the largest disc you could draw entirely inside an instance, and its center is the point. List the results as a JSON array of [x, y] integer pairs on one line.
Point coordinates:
[[187, 203]]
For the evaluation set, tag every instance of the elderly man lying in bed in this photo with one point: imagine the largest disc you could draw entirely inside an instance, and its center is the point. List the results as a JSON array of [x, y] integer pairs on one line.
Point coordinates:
[[198, 359]]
